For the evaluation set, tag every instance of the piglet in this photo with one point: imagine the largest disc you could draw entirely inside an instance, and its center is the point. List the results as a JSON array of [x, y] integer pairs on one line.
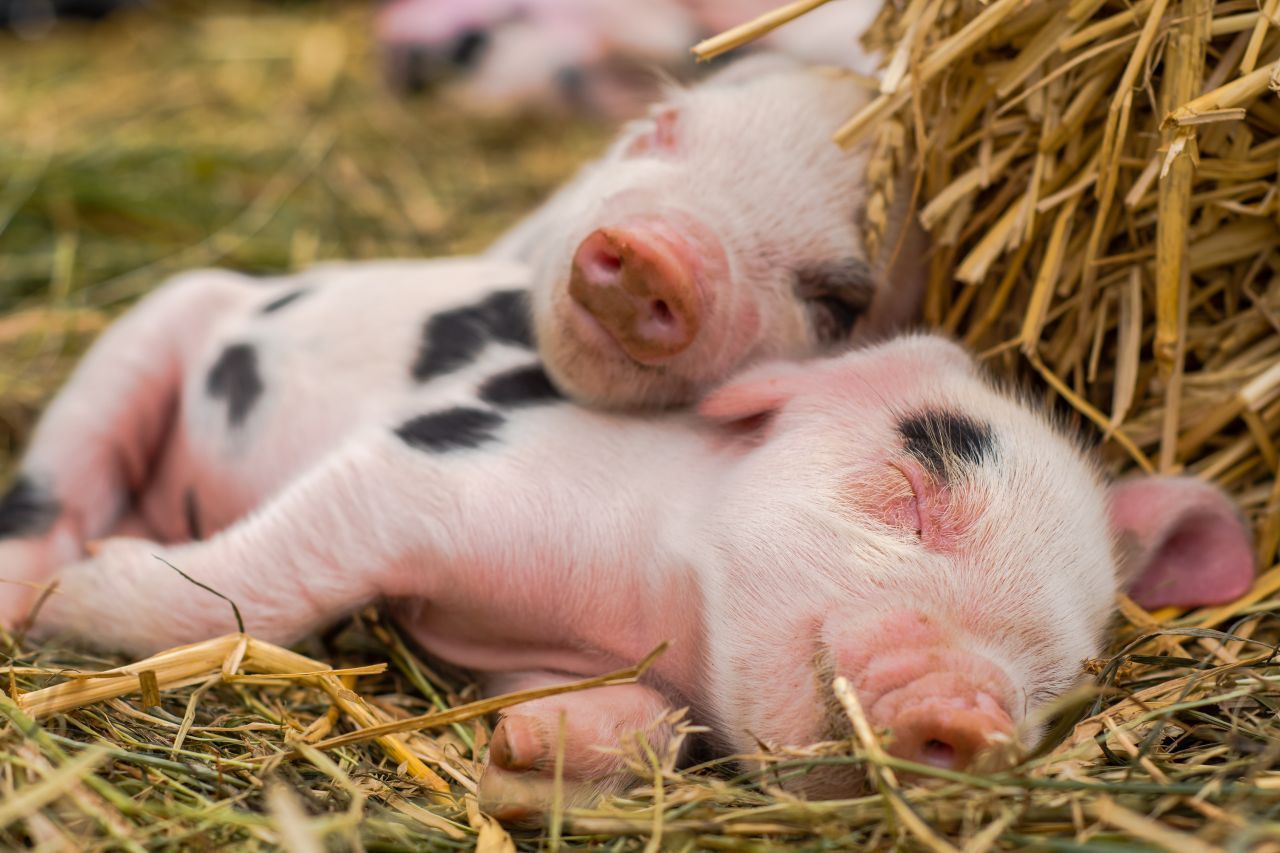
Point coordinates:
[[600, 56], [310, 445], [723, 229]]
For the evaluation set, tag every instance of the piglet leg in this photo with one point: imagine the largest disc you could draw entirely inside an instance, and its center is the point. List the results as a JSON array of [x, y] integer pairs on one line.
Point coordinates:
[[95, 445], [377, 517], [519, 778]]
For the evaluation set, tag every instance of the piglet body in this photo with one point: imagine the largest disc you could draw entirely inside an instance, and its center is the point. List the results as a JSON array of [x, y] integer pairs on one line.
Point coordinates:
[[308, 446], [604, 56]]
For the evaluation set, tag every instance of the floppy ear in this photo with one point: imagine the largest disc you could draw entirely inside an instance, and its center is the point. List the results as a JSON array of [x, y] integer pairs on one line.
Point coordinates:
[[1182, 542], [660, 135], [746, 403]]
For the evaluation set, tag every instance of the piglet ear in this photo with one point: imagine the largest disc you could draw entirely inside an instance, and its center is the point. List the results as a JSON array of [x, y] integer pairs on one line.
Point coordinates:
[[1182, 542], [748, 402], [659, 137]]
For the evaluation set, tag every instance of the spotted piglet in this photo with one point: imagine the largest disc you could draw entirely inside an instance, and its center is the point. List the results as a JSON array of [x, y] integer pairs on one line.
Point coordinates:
[[723, 229], [306, 447], [601, 56]]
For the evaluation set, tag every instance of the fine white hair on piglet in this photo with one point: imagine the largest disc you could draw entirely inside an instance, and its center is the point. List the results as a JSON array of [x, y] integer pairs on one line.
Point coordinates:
[[386, 430]]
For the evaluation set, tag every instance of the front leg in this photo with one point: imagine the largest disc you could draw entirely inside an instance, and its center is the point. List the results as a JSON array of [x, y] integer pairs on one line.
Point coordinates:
[[371, 520], [95, 445], [519, 779]]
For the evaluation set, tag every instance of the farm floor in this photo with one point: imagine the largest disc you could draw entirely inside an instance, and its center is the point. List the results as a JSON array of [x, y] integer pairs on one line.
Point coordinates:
[[260, 137]]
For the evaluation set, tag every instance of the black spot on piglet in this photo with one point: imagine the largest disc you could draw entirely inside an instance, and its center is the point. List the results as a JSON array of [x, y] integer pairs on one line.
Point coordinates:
[[234, 377], [25, 510], [524, 386], [450, 340], [507, 316], [453, 339], [451, 429], [943, 440]]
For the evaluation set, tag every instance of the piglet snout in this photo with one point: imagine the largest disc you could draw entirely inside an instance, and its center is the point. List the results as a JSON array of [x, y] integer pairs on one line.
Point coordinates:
[[942, 707], [949, 732], [640, 287], [947, 719]]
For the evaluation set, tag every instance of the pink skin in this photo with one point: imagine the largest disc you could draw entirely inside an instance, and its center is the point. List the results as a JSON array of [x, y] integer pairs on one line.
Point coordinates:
[[572, 542], [1205, 529], [518, 782], [659, 270], [943, 708], [433, 21]]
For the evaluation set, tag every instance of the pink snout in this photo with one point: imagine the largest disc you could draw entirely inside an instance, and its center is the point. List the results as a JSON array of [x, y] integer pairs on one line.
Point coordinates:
[[949, 734], [946, 719], [640, 287]]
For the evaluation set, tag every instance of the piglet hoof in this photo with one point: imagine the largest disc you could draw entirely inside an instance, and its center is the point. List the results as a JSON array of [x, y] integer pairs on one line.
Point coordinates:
[[26, 569], [15, 607], [518, 783]]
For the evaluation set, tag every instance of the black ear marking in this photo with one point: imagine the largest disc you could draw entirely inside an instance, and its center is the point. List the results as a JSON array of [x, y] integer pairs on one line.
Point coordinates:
[[942, 440], [281, 301], [524, 386], [26, 510], [234, 377], [837, 294], [452, 429], [453, 339]]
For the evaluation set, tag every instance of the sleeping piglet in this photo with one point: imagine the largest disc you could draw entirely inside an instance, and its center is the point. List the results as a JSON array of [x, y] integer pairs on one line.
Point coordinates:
[[601, 56], [724, 228], [887, 515]]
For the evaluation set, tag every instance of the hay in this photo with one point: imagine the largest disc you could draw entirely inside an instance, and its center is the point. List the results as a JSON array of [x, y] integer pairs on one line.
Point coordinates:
[[1102, 224]]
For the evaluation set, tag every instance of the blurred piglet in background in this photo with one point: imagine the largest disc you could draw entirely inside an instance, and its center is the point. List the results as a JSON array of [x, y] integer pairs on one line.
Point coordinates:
[[602, 56]]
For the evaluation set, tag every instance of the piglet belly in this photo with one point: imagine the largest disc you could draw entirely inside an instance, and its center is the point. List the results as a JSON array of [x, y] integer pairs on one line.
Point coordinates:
[[497, 642]]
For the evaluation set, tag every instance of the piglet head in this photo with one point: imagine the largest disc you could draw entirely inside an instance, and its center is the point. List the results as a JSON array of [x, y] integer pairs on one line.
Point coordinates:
[[893, 517], [723, 229]]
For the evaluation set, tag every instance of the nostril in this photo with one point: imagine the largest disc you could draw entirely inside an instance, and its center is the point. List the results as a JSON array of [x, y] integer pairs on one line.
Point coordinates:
[[661, 313], [598, 263], [938, 753], [608, 263]]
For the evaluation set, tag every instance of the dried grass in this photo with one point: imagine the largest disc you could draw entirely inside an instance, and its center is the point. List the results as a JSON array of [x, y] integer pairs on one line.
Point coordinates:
[[1099, 177]]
